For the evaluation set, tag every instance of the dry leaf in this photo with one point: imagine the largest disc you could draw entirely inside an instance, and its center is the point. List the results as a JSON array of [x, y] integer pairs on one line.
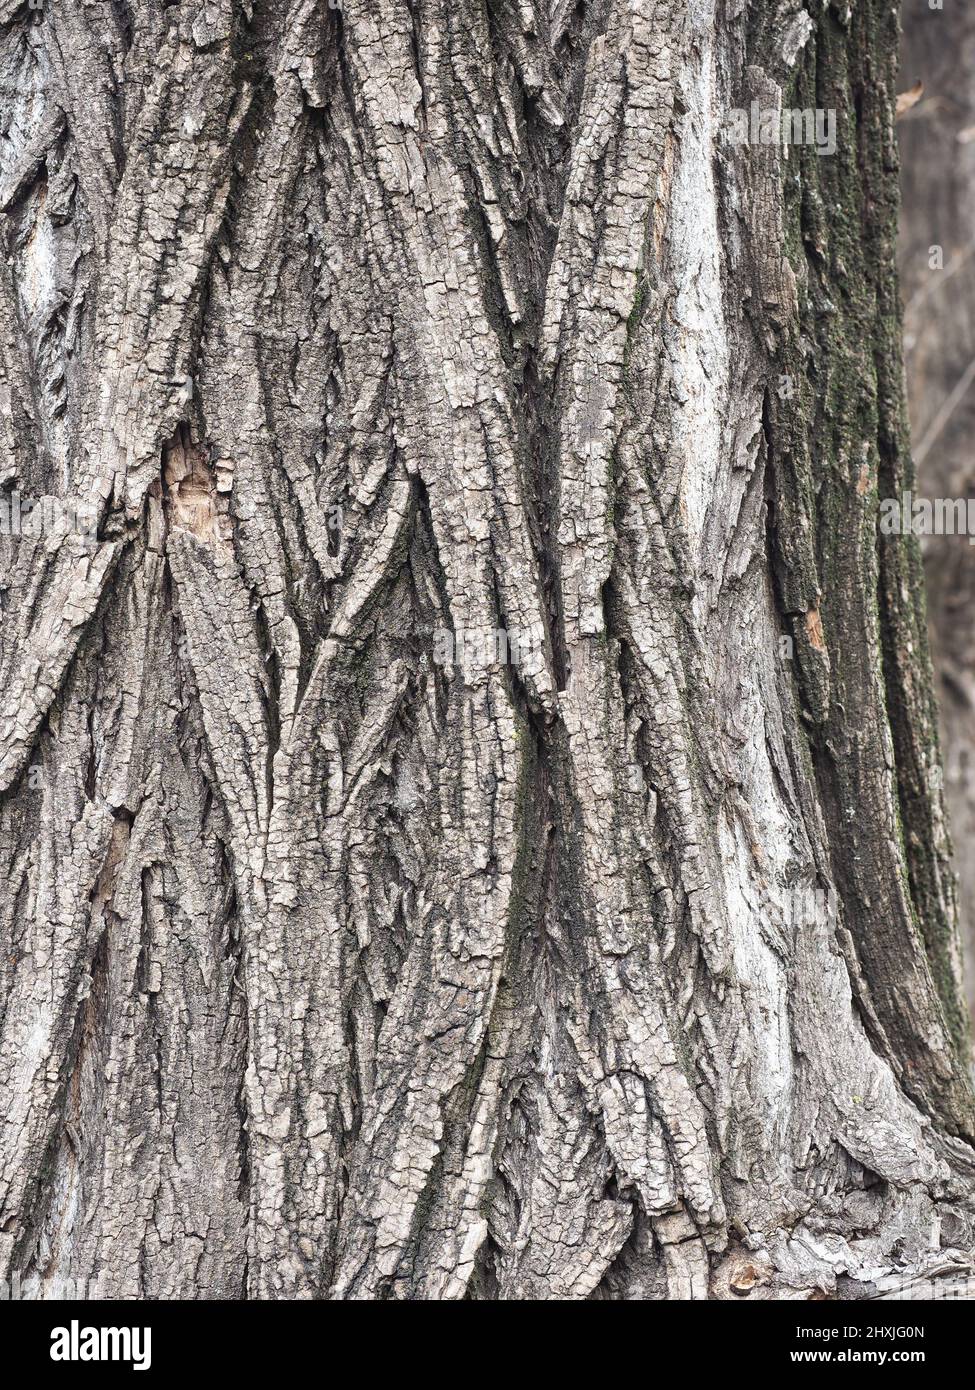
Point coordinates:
[[909, 98]]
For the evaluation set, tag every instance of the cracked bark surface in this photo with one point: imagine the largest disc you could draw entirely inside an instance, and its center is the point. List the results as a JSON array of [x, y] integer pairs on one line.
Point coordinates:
[[330, 970]]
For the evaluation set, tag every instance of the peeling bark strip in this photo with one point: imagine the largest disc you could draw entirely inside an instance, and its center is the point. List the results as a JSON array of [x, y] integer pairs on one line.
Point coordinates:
[[336, 968]]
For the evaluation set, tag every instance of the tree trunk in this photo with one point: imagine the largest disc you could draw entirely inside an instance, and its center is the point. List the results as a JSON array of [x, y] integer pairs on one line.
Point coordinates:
[[468, 826], [938, 270]]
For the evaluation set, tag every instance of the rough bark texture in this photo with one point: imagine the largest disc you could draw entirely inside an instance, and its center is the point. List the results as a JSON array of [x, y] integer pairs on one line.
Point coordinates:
[[329, 969], [938, 272]]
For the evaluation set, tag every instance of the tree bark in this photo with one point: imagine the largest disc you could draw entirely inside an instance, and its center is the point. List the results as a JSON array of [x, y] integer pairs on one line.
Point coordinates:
[[937, 252], [341, 960]]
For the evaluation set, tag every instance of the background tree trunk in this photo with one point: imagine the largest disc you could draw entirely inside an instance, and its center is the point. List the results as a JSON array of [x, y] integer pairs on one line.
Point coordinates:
[[938, 273], [626, 969]]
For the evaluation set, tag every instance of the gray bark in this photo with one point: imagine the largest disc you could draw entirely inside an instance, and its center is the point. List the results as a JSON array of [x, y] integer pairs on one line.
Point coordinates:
[[625, 969]]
